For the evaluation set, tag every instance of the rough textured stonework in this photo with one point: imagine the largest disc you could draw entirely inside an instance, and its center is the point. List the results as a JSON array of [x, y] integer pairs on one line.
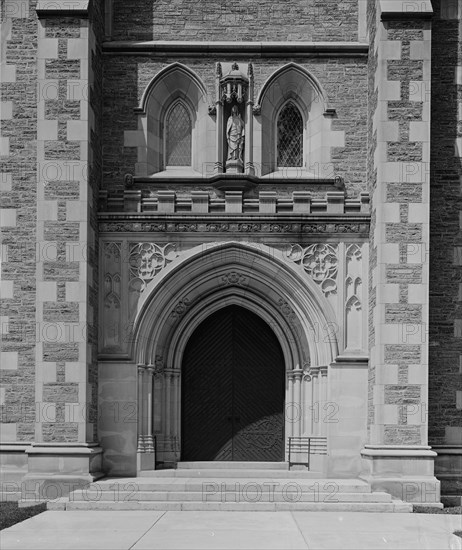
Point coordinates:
[[446, 204], [317, 20], [18, 194]]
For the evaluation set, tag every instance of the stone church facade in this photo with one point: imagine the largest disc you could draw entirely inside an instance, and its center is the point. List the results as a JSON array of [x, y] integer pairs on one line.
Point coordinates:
[[226, 225]]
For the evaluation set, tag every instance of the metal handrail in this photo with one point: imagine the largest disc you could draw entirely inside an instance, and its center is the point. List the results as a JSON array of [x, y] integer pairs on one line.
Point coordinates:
[[310, 445]]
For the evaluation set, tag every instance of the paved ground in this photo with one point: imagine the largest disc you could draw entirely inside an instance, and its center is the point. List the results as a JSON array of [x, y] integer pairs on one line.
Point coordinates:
[[233, 530]]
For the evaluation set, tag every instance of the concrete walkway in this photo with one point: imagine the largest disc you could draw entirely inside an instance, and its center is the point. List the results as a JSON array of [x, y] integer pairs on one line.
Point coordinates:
[[247, 530]]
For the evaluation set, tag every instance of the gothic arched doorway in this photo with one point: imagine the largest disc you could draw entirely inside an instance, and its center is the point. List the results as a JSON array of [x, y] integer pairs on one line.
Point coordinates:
[[233, 387]]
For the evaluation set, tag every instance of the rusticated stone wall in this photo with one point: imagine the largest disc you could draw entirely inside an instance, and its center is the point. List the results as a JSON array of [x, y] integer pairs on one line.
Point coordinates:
[[297, 20], [18, 193]]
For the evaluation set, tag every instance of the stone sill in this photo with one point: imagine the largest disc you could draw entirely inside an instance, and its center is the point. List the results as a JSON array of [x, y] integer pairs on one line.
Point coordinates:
[[190, 48], [64, 449], [394, 451], [14, 447], [447, 449]]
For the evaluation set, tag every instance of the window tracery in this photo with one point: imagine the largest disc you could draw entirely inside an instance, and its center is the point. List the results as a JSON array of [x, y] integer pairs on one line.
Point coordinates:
[[178, 132], [290, 136]]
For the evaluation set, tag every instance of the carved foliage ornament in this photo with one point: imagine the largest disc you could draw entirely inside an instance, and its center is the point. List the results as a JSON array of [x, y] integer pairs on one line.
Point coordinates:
[[233, 278], [146, 260], [180, 309], [320, 262]]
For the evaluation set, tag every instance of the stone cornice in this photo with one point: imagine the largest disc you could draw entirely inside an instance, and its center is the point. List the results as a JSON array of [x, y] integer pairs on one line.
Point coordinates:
[[60, 8], [403, 9], [189, 48]]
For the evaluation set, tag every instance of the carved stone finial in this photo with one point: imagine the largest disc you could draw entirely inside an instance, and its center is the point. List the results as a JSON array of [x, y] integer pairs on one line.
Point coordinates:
[[235, 67], [219, 70], [250, 71]]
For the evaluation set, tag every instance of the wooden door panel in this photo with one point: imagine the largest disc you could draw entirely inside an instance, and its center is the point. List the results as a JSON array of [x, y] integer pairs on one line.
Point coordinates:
[[233, 390], [258, 396], [207, 391]]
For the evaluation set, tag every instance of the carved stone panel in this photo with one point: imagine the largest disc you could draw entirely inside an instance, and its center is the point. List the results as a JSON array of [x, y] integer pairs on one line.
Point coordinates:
[[112, 318], [320, 262], [353, 295], [145, 261]]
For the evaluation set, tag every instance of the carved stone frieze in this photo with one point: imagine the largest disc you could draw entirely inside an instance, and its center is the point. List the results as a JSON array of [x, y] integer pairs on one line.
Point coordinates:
[[320, 262], [245, 227]]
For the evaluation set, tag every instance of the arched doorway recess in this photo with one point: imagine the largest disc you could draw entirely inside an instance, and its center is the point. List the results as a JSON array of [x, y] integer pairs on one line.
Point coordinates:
[[205, 281]]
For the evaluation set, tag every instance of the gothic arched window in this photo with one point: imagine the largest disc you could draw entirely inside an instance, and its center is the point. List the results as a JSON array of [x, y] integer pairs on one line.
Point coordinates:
[[290, 136], [178, 130]]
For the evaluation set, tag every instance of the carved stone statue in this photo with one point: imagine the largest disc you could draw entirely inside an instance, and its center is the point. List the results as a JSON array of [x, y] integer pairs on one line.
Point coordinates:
[[235, 135]]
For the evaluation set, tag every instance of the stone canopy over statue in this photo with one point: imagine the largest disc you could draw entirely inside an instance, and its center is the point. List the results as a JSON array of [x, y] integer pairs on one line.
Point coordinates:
[[235, 133]]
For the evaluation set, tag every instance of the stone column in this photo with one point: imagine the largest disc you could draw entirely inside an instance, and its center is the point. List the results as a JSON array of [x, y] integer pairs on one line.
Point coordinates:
[[140, 446], [290, 412], [149, 393], [298, 374], [219, 121], [68, 160], [323, 400], [316, 410], [249, 167], [307, 405], [397, 458]]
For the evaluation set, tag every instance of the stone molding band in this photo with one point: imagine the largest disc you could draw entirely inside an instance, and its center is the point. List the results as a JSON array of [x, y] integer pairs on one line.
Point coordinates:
[[188, 48]]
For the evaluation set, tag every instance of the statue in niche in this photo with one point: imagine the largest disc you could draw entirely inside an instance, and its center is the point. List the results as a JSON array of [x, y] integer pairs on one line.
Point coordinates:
[[235, 135]]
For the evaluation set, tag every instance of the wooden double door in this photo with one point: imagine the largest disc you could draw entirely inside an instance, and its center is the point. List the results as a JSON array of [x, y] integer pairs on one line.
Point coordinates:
[[233, 387]]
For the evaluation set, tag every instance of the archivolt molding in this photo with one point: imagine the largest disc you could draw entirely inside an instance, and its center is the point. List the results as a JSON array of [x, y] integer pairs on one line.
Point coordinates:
[[311, 79], [253, 276], [161, 75]]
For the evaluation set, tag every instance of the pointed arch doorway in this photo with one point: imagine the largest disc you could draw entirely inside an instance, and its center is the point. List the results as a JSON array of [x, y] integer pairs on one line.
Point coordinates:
[[233, 387]]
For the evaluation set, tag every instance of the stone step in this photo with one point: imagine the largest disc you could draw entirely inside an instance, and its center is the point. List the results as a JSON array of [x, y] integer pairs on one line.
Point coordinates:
[[265, 494], [210, 484], [394, 506], [231, 465], [231, 473]]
